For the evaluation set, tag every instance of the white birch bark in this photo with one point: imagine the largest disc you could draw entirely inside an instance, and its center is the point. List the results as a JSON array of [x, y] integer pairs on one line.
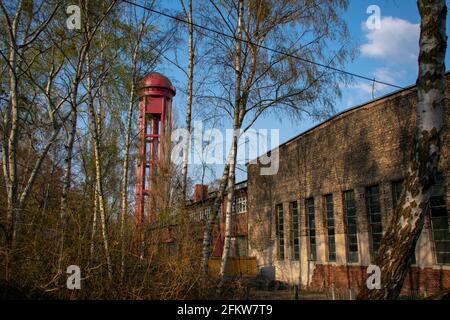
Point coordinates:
[[236, 126], [98, 167], [399, 242], [184, 167]]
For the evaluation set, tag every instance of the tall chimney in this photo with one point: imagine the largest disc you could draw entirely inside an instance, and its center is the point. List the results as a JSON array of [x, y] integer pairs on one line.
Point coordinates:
[[200, 192]]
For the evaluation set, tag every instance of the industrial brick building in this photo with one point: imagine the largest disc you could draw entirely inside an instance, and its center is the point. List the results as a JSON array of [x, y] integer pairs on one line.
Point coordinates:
[[321, 217], [200, 208]]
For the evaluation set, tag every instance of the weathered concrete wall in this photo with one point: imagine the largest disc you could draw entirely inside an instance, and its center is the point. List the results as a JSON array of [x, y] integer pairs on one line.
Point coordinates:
[[365, 146]]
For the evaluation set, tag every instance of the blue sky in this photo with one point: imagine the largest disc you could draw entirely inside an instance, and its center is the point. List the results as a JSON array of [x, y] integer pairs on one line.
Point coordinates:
[[388, 54]]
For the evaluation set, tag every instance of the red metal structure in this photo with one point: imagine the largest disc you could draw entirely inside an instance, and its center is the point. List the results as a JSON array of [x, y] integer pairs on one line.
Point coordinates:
[[155, 103]]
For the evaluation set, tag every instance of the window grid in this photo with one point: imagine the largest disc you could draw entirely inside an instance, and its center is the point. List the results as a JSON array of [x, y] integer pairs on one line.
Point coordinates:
[[280, 231], [440, 222], [351, 226], [241, 205], [374, 215], [311, 229], [295, 231], [329, 210]]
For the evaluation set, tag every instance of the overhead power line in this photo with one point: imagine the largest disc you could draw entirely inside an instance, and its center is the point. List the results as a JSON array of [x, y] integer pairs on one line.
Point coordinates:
[[373, 80]]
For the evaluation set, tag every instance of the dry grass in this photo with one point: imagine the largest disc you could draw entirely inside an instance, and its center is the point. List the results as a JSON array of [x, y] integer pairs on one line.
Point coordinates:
[[168, 271]]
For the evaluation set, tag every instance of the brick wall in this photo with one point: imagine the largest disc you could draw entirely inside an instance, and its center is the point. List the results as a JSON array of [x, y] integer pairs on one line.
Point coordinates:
[[368, 145], [425, 281], [240, 223]]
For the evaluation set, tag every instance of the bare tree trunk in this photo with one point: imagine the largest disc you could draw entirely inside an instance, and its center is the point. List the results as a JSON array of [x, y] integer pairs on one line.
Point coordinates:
[[68, 146], [206, 247], [98, 168], [94, 226], [229, 208], [101, 203], [399, 242], [68, 161], [10, 139], [236, 126], [12, 143], [184, 168], [67, 180], [125, 166], [67, 176], [11, 119], [99, 129]]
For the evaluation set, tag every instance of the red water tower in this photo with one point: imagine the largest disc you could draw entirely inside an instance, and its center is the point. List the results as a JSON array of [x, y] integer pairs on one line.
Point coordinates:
[[155, 94]]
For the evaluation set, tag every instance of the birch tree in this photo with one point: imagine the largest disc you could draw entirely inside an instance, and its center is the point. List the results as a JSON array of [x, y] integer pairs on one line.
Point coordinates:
[[399, 242], [99, 195], [87, 34], [23, 26], [190, 79], [139, 30], [248, 80], [233, 152]]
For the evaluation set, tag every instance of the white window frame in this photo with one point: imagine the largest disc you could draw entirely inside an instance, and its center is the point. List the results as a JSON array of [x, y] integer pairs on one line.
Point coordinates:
[[241, 205]]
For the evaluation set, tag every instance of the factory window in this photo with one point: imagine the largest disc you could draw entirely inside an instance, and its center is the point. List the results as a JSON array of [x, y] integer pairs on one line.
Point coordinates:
[[241, 205], [295, 231], [311, 223], [241, 243], [329, 215], [440, 222], [351, 226], [280, 231], [238, 246], [374, 215]]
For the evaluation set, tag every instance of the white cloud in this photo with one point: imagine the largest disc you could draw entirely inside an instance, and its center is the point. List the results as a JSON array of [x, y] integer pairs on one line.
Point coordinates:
[[397, 40], [387, 75], [365, 87]]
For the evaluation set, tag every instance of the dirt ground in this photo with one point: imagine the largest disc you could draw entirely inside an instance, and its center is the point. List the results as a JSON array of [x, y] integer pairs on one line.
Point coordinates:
[[288, 294]]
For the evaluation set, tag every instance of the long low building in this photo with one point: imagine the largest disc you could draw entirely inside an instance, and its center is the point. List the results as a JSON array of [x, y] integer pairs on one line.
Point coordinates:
[[320, 219]]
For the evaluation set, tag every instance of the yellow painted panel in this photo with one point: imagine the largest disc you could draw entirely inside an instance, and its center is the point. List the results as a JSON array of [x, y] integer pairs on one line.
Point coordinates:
[[236, 266]]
